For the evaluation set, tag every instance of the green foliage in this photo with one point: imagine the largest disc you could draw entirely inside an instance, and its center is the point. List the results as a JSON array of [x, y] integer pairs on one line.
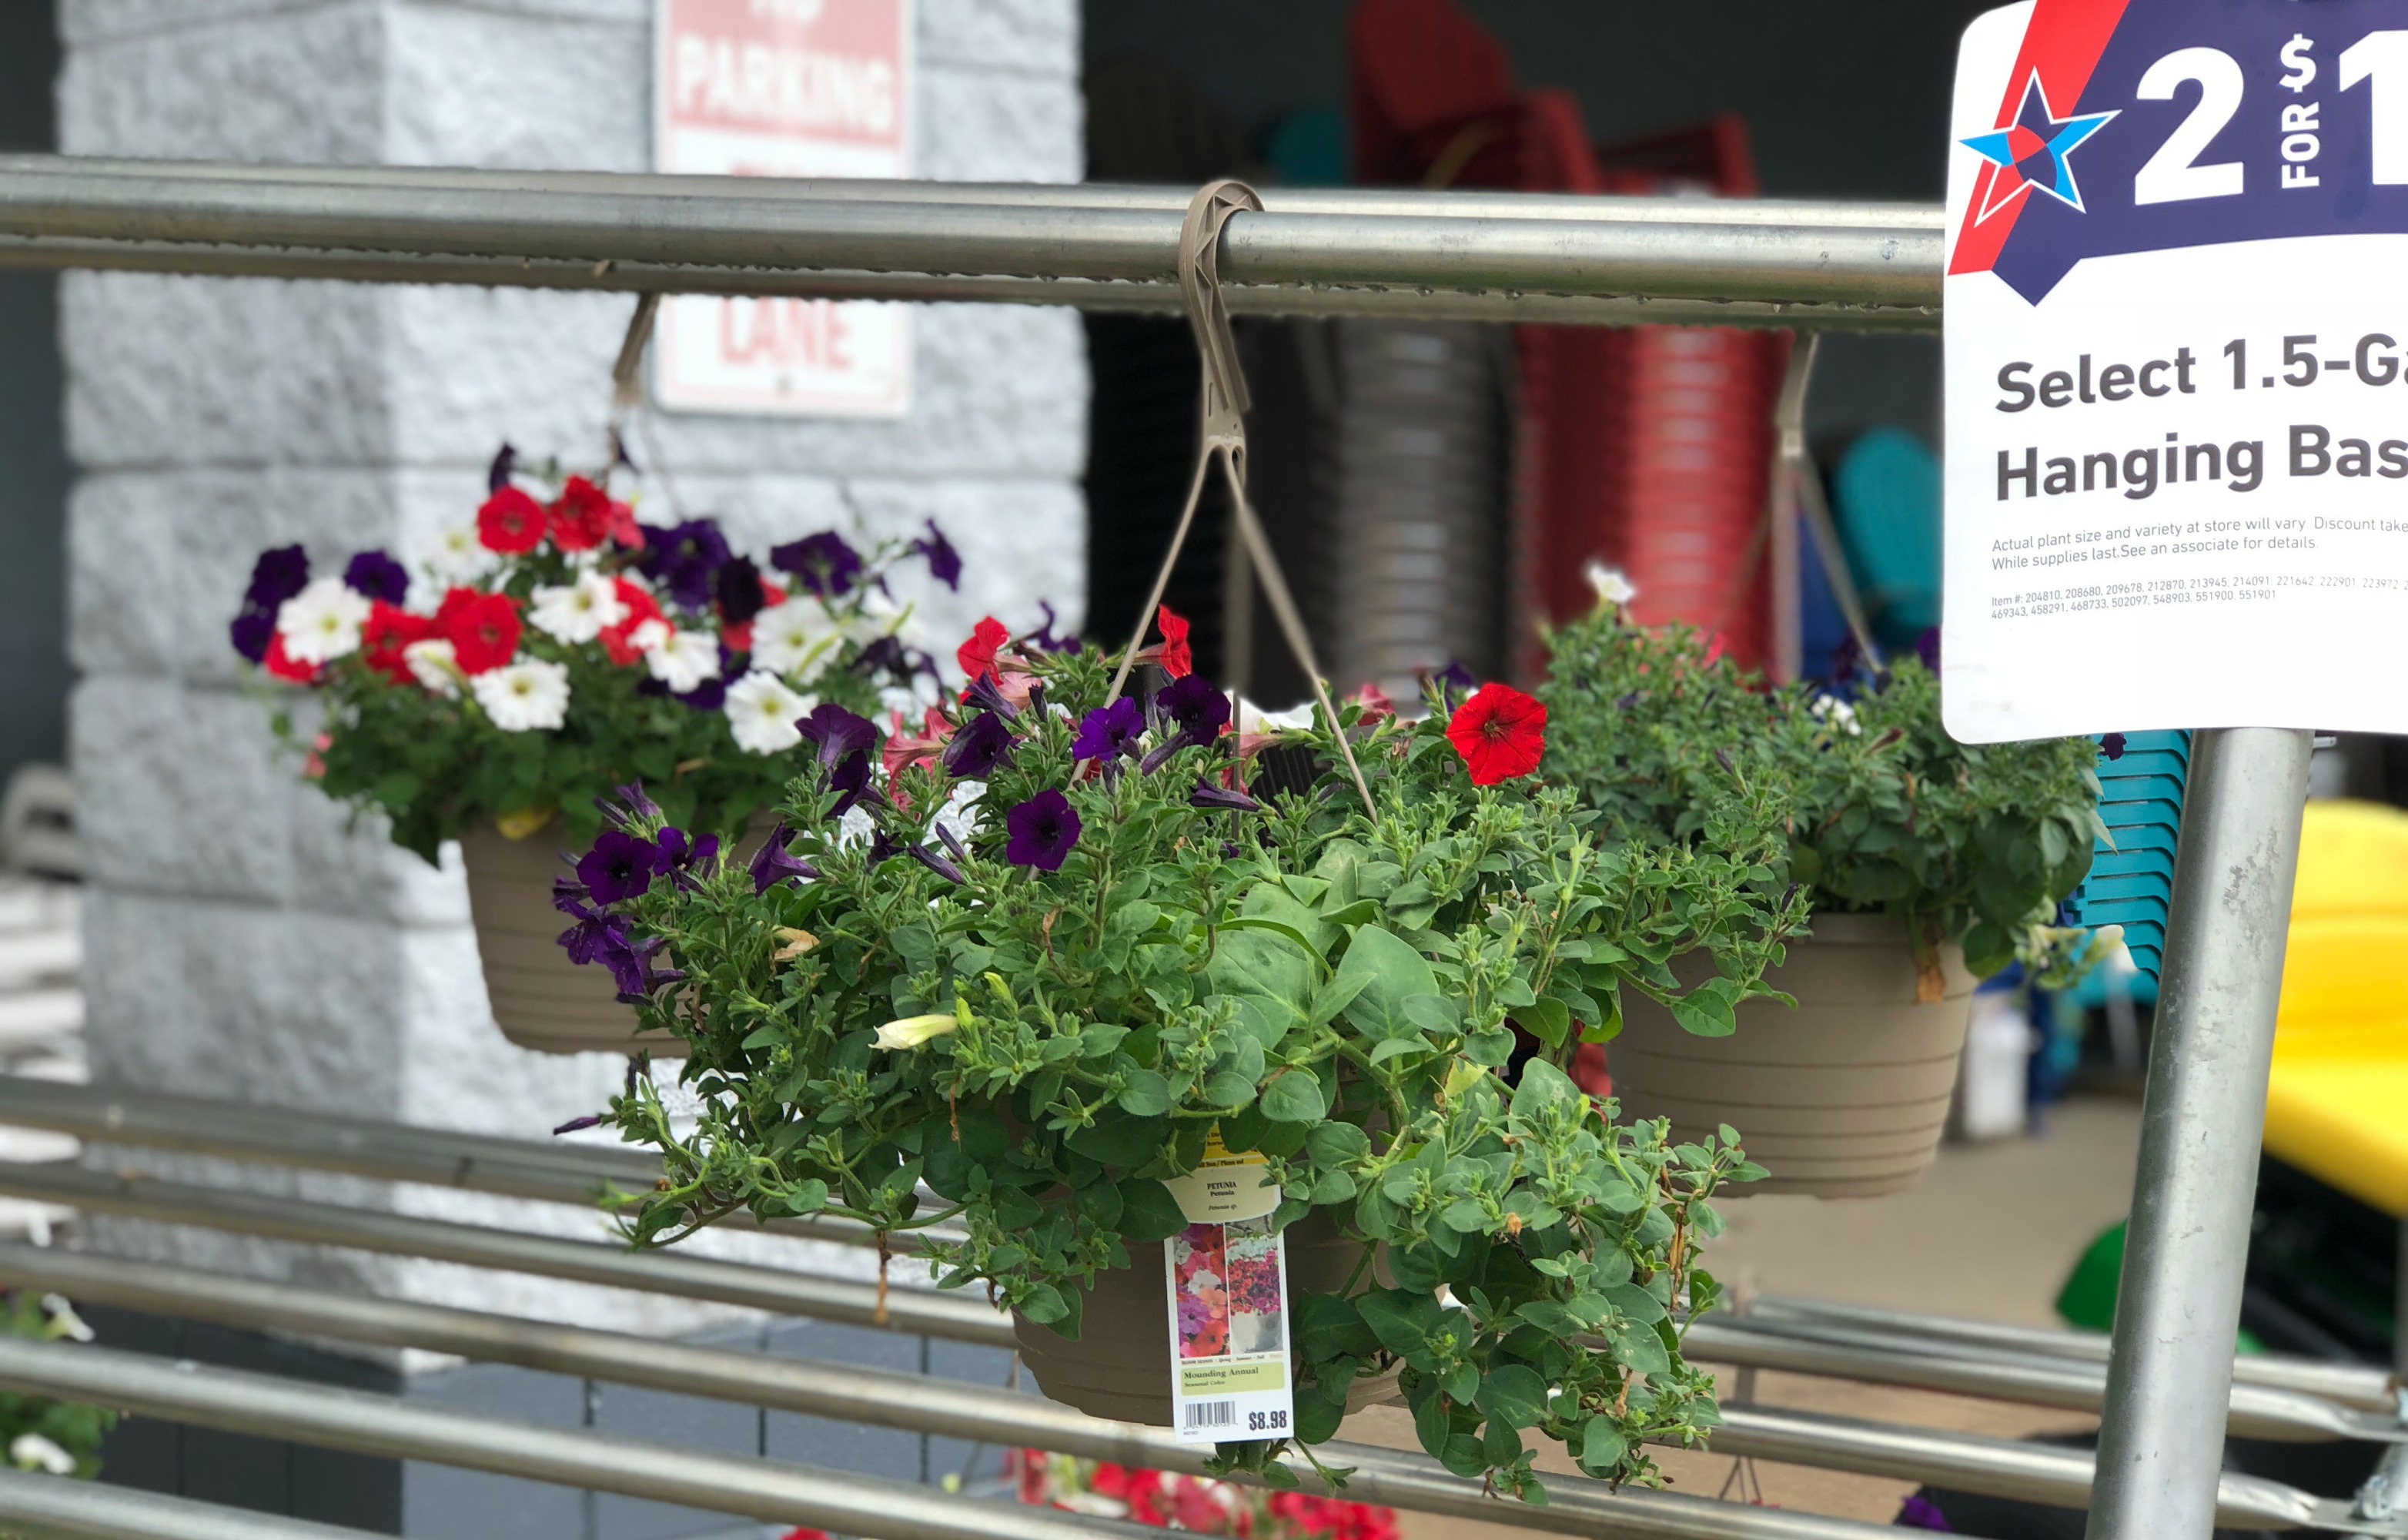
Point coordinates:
[[1873, 806], [1334, 989]]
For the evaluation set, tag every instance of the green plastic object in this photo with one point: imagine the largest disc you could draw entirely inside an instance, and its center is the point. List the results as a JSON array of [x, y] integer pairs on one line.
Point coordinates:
[[2087, 1300]]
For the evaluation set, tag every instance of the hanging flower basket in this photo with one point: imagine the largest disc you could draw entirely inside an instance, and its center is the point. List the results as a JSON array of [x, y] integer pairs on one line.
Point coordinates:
[[1924, 863], [1845, 1095], [526, 662]]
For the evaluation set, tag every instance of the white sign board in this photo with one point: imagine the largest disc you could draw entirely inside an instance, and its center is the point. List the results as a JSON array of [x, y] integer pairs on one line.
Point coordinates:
[[2177, 370], [783, 88]]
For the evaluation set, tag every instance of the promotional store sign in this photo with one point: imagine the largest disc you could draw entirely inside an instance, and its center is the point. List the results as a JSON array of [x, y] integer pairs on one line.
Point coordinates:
[[783, 88], [2178, 369], [1228, 1278]]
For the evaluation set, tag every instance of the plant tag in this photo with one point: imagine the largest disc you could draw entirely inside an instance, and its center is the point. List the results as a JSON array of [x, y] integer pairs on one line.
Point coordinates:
[[1230, 1376]]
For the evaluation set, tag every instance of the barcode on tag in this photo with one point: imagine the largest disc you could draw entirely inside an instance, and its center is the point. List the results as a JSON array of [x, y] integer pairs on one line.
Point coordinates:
[[1211, 1414]]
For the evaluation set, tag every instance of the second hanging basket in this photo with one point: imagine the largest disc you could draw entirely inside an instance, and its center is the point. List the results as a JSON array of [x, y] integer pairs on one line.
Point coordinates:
[[1844, 1097]]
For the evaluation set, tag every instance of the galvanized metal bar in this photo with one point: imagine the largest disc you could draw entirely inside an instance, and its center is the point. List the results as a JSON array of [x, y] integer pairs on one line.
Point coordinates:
[[778, 1291], [266, 1406], [846, 1392], [1877, 271], [2362, 1386], [2202, 1119], [45, 1508]]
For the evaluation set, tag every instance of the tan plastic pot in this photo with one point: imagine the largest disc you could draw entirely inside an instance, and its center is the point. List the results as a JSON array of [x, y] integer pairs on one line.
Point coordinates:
[[1120, 1366], [1845, 1096], [541, 1000]]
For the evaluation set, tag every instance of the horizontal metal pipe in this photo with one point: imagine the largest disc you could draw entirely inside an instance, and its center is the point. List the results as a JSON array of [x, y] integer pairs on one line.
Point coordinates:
[[1111, 295], [266, 1406], [641, 219], [915, 1310], [2364, 1386], [45, 1508], [1157, 197], [844, 1392], [2258, 1411]]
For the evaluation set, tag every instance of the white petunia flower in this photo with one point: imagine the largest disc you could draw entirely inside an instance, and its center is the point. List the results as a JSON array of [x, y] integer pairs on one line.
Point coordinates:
[[882, 615], [911, 1032], [684, 660], [579, 610], [524, 696], [454, 554], [434, 663], [32, 1452], [650, 635], [64, 1322], [762, 713], [1609, 582], [322, 622], [796, 639], [1838, 713]]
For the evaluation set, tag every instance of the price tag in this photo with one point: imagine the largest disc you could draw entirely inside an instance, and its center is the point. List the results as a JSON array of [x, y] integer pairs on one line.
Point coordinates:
[[2178, 369], [1230, 1377]]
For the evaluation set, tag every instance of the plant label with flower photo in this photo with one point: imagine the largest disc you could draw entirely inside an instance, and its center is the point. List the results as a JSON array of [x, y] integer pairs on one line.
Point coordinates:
[[2176, 368], [1226, 1274]]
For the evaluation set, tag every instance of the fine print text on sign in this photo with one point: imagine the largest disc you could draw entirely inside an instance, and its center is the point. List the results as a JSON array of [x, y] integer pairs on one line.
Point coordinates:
[[2177, 373], [783, 88]]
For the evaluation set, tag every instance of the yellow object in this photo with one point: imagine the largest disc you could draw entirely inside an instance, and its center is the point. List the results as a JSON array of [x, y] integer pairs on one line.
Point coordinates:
[[524, 823], [2337, 1107]]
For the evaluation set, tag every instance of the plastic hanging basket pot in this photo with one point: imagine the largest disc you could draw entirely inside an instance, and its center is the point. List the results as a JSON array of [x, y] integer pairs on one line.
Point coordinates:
[[541, 1000], [1120, 1365], [1844, 1097]]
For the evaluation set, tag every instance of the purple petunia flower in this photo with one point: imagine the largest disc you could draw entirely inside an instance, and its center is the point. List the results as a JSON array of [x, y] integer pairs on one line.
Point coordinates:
[[1926, 649], [736, 585], [1221, 798], [987, 693], [628, 804], [773, 864], [851, 777], [680, 854], [708, 696], [1920, 1513], [506, 463], [945, 562], [838, 733], [935, 863], [619, 866], [1452, 683], [573, 1125], [1044, 638], [252, 631], [983, 744], [2112, 745], [1043, 830], [1109, 732], [951, 842], [603, 939], [375, 575], [1190, 704], [822, 563], [684, 558], [276, 576]]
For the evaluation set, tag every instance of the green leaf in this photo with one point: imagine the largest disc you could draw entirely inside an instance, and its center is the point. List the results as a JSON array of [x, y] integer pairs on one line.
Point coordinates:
[[1432, 1425], [1294, 1096], [1401, 1319], [1329, 1326], [809, 1197], [1148, 1211], [1601, 1447], [1228, 1088], [1336, 1143], [1271, 976], [1144, 1093], [1391, 974], [1548, 1019], [1123, 1140], [1707, 1011], [1542, 1087], [1515, 1394]]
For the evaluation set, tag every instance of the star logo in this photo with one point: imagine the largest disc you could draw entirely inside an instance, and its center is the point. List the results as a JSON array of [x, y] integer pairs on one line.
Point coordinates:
[[2034, 152]]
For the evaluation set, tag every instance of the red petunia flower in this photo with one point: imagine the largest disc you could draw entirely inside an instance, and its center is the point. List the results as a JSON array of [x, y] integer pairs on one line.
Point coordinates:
[[619, 640], [510, 522], [484, 628], [977, 655], [586, 515], [1501, 732], [1174, 656], [282, 665], [388, 629]]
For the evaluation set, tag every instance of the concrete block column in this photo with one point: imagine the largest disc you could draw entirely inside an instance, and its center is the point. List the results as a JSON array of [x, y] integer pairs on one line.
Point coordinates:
[[245, 937]]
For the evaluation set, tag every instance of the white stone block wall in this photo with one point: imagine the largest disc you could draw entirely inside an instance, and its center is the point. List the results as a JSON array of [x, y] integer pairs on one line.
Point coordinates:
[[243, 939]]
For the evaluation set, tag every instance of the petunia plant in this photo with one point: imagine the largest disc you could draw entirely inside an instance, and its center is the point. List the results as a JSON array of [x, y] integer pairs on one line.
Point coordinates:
[[1866, 800], [555, 647], [1028, 956]]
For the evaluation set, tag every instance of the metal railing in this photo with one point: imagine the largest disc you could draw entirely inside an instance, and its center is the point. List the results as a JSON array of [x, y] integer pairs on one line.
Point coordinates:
[[1468, 256]]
